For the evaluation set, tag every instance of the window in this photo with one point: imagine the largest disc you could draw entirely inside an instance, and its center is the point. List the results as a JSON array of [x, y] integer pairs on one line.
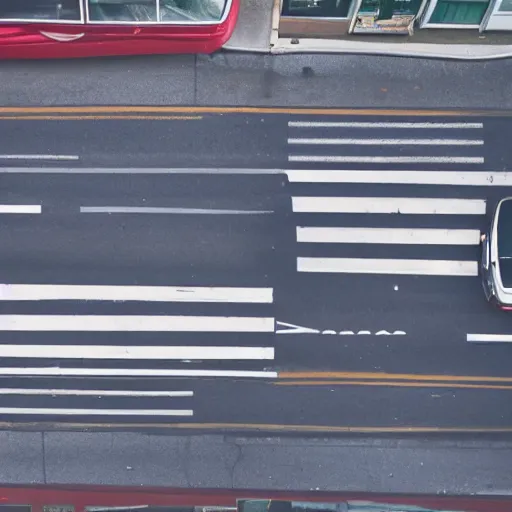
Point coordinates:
[[154, 11], [40, 10], [506, 6]]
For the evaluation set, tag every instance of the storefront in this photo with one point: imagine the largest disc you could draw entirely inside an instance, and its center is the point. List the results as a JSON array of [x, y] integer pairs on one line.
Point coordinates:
[[83, 28], [396, 17]]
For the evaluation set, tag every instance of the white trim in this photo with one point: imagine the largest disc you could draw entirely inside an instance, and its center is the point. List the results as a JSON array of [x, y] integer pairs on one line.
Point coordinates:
[[450, 25], [473, 178], [421, 236], [388, 266], [80, 21], [391, 205], [227, 8], [36, 292], [132, 372], [137, 323], [133, 353]]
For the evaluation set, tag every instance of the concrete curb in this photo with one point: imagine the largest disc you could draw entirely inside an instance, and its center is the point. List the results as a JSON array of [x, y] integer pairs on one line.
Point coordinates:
[[421, 50], [464, 52]]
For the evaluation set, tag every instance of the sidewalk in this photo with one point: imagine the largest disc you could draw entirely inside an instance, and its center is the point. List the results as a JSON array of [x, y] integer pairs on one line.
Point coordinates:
[[413, 465], [258, 31]]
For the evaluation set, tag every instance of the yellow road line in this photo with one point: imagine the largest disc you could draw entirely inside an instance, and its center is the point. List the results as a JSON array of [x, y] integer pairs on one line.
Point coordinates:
[[127, 109], [99, 118], [267, 427], [387, 383], [390, 376]]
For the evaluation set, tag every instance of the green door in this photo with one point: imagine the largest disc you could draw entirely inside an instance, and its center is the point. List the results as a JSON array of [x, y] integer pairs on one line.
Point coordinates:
[[459, 12]]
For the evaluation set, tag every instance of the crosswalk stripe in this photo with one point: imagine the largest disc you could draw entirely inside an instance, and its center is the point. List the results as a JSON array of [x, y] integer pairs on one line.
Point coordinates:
[[402, 205], [161, 353], [425, 236], [388, 266], [473, 178], [55, 371], [135, 323], [94, 392], [95, 412], [37, 292], [388, 159], [334, 124], [20, 208], [489, 338], [389, 142]]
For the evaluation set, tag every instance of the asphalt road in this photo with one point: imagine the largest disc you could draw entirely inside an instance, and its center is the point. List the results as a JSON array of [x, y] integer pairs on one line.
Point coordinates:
[[316, 338]]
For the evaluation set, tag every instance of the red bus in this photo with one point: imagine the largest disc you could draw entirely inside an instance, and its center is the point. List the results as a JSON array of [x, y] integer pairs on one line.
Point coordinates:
[[81, 498], [38, 29]]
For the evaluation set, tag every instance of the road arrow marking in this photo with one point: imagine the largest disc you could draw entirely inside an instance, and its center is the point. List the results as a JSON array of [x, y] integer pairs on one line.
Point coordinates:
[[295, 329]]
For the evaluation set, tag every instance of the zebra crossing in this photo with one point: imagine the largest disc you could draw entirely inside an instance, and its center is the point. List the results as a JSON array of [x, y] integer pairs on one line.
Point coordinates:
[[91, 353], [404, 217]]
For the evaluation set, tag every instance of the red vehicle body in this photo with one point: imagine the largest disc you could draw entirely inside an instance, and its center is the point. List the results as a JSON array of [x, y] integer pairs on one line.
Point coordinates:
[[49, 29], [81, 498]]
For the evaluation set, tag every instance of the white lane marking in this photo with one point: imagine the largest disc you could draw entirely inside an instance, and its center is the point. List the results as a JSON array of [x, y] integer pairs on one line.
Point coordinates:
[[489, 338], [135, 293], [131, 372], [135, 323], [176, 211], [314, 124], [388, 266], [95, 412], [138, 170], [390, 142], [473, 178], [388, 236], [135, 352], [94, 392], [20, 208], [39, 157], [294, 329], [403, 205], [297, 329], [390, 159]]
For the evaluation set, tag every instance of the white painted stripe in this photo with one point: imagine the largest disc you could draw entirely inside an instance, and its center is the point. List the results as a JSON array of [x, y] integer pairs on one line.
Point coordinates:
[[402, 205], [20, 208], [489, 338], [472, 178], [39, 157], [390, 159], [140, 170], [95, 412], [385, 266], [390, 142], [94, 392], [388, 236], [162, 353], [135, 293], [135, 323], [176, 211], [314, 124], [132, 372]]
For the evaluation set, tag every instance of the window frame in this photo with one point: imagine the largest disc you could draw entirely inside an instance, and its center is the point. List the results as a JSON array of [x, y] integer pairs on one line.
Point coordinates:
[[80, 21], [225, 14], [86, 20]]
